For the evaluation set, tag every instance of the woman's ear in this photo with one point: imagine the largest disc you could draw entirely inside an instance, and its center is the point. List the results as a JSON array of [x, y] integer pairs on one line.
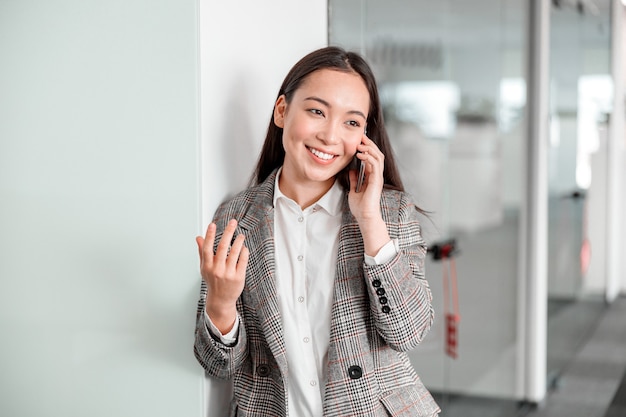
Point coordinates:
[[280, 109]]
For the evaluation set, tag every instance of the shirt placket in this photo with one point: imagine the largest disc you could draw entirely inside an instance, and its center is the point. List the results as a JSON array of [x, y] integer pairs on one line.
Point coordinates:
[[304, 327]]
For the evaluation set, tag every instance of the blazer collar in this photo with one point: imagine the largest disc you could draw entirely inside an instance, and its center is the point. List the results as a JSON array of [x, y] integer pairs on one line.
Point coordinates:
[[261, 204], [331, 201]]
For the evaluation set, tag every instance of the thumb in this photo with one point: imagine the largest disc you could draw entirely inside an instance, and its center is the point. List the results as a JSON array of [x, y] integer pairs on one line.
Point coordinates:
[[200, 243]]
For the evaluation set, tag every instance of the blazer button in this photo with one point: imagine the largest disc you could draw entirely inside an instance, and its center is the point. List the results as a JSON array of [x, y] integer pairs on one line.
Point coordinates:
[[386, 309], [380, 291], [376, 283], [383, 300], [355, 372], [263, 370]]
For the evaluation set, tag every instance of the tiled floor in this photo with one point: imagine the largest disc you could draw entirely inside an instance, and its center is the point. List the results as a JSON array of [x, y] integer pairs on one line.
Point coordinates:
[[618, 405], [592, 384]]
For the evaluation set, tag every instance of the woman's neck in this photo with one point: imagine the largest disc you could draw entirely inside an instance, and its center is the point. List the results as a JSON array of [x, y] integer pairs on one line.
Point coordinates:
[[304, 194]]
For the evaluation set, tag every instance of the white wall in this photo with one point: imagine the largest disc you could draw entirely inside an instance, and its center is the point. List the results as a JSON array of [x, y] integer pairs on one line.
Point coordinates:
[[619, 65], [98, 208], [247, 48]]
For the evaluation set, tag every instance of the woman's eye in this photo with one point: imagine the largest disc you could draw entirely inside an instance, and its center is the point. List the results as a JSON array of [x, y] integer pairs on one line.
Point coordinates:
[[317, 112], [354, 123]]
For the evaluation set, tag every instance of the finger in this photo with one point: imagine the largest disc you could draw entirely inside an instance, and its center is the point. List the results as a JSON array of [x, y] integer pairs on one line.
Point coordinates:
[[209, 238], [367, 141], [208, 242], [235, 250], [243, 260], [376, 162], [224, 245], [373, 156], [374, 167], [369, 162], [367, 151], [369, 146], [200, 243]]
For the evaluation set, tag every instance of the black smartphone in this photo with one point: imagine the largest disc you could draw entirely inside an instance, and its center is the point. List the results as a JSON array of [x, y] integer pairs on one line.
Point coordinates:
[[356, 162]]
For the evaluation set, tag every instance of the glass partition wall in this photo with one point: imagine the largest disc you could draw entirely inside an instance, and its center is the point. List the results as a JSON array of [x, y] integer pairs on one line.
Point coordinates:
[[452, 79], [581, 99]]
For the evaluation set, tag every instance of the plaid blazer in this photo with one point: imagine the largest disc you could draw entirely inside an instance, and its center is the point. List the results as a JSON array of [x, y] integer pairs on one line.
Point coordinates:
[[379, 313]]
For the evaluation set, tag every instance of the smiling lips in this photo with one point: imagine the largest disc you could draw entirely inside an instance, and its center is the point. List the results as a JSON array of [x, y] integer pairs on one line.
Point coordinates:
[[321, 155]]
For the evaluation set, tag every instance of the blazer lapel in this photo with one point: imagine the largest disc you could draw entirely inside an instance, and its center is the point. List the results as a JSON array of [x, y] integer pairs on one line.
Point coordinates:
[[258, 227]]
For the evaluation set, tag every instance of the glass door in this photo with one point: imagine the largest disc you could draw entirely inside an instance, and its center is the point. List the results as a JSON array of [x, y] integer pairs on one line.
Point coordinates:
[[581, 97]]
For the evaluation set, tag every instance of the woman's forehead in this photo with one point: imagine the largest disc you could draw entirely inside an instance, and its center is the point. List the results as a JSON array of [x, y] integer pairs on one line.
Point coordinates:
[[338, 87]]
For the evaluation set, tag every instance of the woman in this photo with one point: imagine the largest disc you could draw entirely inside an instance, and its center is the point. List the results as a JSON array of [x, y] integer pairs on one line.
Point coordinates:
[[312, 292]]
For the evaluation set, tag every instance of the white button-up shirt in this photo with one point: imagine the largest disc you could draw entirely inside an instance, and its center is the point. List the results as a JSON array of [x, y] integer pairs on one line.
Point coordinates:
[[306, 243]]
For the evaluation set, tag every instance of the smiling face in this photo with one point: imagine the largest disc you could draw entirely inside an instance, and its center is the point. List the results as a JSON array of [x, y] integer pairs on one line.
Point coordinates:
[[322, 126]]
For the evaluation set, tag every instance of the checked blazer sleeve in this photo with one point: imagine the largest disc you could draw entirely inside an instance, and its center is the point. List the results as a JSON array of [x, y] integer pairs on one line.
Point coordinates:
[[218, 360], [400, 298]]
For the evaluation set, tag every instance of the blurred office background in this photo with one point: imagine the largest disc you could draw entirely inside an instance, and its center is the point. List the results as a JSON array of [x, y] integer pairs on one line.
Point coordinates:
[[456, 81], [124, 124]]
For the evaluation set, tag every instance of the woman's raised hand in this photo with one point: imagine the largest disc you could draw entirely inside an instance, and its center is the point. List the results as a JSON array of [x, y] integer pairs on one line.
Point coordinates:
[[365, 205], [224, 273]]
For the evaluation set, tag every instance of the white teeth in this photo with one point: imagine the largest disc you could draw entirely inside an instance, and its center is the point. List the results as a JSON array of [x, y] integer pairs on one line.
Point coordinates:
[[321, 154]]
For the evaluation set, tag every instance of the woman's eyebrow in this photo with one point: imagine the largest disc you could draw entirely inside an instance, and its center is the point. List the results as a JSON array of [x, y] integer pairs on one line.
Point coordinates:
[[327, 104]]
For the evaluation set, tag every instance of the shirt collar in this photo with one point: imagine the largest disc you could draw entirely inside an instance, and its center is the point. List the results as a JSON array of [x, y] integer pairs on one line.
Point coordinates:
[[332, 201]]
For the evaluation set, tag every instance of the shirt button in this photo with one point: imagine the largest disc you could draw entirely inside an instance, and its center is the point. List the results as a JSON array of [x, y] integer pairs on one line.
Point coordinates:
[[313, 383], [301, 299], [306, 340], [300, 219], [300, 257]]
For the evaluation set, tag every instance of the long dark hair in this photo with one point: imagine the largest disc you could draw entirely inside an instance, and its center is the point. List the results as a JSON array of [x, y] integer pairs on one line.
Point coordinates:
[[338, 59]]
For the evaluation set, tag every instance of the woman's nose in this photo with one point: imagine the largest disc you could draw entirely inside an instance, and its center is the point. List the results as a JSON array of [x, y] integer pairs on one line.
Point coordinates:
[[330, 134]]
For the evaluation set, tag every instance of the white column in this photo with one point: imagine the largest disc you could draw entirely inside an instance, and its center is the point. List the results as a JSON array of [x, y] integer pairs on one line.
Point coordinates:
[[533, 281], [615, 154], [246, 49]]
